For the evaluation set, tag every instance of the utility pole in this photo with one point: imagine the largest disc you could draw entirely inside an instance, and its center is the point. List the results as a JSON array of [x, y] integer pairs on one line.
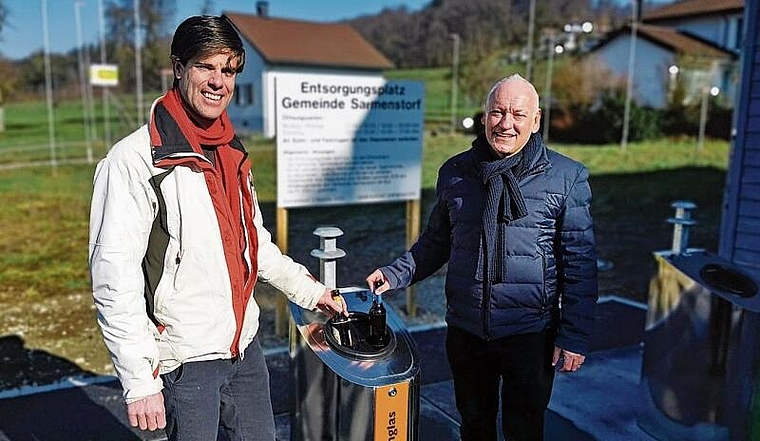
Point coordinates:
[[83, 80], [138, 64], [454, 79], [548, 88], [707, 92], [631, 67], [106, 110], [531, 31], [48, 85]]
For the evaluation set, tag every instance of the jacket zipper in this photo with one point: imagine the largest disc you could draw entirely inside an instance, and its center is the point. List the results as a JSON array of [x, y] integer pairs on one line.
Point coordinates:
[[539, 169], [234, 352], [544, 293], [238, 304], [486, 307], [240, 301]]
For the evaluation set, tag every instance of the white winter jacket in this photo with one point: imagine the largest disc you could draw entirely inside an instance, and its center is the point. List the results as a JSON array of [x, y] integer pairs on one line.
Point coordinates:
[[158, 265]]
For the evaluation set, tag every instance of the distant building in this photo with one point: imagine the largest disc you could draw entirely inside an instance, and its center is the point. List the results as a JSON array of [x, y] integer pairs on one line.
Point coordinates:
[[690, 46], [277, 46]]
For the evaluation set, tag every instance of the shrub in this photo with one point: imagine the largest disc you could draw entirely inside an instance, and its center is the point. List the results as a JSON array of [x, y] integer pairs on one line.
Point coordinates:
[[603, 122], [679, 120]]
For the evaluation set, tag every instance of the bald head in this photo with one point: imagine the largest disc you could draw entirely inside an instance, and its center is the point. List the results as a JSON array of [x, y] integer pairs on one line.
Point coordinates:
[[511, 115], [511, 78]]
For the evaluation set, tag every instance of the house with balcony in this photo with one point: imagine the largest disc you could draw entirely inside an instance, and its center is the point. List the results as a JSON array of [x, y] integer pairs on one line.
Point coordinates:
[[277, 46], [681, 51]]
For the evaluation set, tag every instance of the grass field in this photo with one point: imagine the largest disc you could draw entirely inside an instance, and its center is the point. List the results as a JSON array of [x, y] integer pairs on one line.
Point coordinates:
[[45, 301], [44, 286], [27, 135], [437, 92]]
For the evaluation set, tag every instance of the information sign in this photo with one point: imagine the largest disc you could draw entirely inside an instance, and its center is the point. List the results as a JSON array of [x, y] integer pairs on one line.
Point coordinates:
[[344, 140]]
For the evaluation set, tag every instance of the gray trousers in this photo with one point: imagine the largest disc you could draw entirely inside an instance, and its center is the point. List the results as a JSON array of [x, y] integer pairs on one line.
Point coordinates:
[[205, 397]]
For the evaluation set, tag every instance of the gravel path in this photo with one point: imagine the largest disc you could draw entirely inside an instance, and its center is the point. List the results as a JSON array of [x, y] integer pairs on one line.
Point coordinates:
[[373, 235]]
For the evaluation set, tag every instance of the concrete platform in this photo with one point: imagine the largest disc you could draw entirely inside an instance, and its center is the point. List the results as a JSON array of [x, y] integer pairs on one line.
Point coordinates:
[[599, 402]]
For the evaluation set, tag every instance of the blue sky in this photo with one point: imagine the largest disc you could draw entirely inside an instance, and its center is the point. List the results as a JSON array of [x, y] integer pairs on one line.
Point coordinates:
[[24, 32]]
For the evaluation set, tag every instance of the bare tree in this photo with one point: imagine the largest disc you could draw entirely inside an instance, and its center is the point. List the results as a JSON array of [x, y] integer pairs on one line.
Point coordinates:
[[155, 17], [3, 17], [4, 84], [208, 7]]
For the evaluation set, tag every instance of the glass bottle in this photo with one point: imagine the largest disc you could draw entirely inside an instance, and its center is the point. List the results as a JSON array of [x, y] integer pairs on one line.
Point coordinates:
[[342, 324], [377, 328]]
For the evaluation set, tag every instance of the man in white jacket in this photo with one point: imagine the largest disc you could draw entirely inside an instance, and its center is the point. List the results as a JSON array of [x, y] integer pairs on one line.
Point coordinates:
[[176, 246]]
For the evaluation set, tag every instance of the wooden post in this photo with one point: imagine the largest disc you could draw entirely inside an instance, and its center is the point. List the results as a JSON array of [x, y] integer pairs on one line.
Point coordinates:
[[281, 303], [412, 231]]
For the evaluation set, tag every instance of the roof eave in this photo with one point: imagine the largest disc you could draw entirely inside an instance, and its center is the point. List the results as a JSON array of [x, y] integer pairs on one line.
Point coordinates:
[[696, 14], [657, 42], [300, 63]]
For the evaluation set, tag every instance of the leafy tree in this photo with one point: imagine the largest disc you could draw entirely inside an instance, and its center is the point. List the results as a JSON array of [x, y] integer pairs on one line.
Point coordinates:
[[393, 32], [9, 75], [63, 70], [478, 75], [577, 83]]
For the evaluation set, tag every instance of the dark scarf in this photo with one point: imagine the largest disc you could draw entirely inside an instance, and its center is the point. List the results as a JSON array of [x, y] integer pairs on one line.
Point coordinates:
[[504, 200]]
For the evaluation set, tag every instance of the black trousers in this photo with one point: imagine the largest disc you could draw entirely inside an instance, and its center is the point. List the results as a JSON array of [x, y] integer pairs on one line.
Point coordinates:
[[521, 364]]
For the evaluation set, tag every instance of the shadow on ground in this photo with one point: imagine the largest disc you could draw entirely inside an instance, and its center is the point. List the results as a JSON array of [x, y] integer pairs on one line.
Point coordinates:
[[23, 367]]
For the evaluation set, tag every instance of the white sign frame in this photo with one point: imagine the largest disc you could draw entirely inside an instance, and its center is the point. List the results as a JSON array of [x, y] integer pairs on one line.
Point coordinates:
[[106, 75], [347, 139]]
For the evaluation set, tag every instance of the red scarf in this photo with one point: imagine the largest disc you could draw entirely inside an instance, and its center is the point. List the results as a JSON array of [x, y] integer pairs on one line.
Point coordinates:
[[231, 170], [220, 132]]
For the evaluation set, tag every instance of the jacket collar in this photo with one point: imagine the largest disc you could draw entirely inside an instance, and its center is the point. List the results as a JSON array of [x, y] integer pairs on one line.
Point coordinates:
[[170, 144], [536, 163]]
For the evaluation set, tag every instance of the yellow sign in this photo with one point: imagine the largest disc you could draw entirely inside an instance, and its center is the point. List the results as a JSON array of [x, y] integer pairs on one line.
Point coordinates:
[[104, 74], [392, 412]]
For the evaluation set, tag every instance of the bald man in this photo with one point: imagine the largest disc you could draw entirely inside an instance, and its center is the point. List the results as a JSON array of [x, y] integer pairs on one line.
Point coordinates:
[[512, 220]]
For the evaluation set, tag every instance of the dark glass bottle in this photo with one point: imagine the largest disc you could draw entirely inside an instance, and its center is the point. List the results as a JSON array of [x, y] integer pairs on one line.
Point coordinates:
[[342, 324], [377, 330], [344, 332]]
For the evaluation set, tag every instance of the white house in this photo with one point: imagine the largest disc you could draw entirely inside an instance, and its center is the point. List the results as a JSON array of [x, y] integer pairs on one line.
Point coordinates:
[[691, 44], [279, 46]]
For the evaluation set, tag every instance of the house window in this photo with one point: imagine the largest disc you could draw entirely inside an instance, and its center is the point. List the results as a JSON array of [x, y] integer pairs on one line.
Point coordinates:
[[739, 33], [244, 95], [725, 81]]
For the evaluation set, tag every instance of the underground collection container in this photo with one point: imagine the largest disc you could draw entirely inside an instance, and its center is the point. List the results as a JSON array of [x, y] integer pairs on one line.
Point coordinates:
[[349, 385], [701, 361]]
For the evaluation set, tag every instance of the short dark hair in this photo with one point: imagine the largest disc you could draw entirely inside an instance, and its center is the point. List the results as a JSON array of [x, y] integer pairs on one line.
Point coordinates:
[[204, 35]]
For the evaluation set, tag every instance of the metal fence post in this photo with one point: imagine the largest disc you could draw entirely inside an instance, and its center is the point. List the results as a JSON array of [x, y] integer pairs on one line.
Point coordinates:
[[681, 224], [328, 253]]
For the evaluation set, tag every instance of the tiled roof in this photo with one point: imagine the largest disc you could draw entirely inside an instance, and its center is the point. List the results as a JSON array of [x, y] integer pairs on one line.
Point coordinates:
[[690, 8], [291, 42], [670, 39], [680, 42]]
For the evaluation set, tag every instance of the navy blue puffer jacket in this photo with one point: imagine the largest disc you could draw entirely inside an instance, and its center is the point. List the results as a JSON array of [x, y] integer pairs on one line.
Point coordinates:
[[549, 258]]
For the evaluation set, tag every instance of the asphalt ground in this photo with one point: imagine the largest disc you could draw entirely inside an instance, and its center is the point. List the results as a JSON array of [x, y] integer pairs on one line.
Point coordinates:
[[602, 401]]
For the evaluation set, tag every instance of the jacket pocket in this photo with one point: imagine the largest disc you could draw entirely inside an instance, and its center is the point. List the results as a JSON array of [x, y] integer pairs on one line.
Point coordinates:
[[168, 278], [175, 376]]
